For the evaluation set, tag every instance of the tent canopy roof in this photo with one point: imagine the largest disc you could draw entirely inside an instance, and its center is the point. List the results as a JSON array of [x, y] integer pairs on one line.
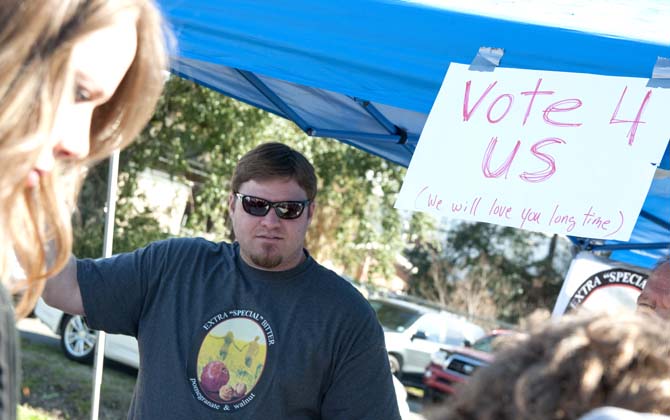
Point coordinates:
[[366, 72]]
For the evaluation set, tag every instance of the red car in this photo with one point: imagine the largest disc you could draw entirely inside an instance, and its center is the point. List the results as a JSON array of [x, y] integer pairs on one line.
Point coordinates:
[[453, 365]]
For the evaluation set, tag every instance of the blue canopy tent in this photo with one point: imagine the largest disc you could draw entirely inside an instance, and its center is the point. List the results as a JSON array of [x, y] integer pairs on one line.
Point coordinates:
[[366, 72]]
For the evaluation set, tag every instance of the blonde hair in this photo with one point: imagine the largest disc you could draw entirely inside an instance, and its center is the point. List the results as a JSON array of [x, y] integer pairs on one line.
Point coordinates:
[[569, 368], [36, 40]]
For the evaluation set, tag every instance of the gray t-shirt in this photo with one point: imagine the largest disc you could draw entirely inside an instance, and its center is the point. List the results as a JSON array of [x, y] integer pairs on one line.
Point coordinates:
[[220, 339]]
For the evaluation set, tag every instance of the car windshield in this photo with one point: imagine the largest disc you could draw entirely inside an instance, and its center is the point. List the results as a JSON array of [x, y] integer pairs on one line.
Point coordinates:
[[484, 344], [394, 317]]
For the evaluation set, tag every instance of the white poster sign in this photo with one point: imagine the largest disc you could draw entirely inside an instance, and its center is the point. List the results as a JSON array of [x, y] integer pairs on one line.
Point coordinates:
[[556, 152], [599, 285]]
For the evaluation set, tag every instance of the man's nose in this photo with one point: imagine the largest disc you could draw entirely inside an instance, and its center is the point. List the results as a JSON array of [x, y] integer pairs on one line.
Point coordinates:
[[271, 219]]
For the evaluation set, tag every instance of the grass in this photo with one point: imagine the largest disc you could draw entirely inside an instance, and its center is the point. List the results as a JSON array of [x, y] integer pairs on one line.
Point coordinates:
[[28, 413], [56, 388]]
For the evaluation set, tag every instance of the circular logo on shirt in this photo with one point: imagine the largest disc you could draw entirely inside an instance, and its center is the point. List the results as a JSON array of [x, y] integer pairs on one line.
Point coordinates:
[[228, 359]]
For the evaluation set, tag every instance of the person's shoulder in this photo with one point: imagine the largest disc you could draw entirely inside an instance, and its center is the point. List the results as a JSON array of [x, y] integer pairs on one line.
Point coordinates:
[[615, 413], [334, 280], [175, 251], [193, 244], [338, 289]]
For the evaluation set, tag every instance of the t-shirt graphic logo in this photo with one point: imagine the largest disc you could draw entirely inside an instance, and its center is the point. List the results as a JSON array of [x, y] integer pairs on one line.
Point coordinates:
[[228, 359]]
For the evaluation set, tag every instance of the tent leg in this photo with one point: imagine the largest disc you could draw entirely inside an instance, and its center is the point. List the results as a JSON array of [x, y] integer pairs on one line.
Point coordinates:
[[112, 181]]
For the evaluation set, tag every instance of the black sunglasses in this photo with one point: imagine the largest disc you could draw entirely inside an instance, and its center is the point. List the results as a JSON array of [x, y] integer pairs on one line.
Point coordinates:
[[256, 206]]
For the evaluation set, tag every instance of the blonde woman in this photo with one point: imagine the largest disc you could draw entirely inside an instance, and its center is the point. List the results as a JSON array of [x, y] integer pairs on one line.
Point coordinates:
[[78, 79]]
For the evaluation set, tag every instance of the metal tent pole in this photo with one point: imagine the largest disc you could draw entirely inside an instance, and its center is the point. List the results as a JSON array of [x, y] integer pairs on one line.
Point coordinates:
[[112, 179]]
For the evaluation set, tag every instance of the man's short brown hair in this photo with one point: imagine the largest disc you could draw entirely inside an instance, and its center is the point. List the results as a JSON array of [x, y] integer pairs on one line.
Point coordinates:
[[275, 160]]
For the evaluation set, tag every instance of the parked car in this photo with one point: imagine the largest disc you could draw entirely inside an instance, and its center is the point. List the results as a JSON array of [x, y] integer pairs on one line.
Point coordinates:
[[78, 341], [413, 332], [451, 365]]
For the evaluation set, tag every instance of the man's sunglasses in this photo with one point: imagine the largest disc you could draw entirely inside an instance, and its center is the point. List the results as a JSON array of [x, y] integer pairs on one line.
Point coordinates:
[[256, 206]]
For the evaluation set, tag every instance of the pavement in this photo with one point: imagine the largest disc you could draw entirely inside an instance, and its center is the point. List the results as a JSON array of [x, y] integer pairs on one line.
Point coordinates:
[[415, 407], [34, 330]]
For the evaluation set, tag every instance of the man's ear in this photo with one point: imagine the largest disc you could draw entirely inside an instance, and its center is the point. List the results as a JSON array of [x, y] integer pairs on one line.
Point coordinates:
[[310, 210], [231, 203]]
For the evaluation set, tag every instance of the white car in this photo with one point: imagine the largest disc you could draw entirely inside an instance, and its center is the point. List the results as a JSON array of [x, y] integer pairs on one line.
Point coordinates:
[[78, 340], [413, 332]]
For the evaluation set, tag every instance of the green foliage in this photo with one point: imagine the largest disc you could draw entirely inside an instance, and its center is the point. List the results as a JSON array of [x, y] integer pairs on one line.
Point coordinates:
[[26, 412], [133, 229], [425, 250], [504, 270], [197, 135], [355, 218]]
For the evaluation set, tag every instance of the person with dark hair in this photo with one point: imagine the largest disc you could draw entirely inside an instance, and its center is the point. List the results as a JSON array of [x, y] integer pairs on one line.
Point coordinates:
[[78, 80], [566, 369], [304, 343], [655, 297]]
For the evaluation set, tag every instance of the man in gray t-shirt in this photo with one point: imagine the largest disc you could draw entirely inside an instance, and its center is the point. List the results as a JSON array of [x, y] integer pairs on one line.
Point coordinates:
[[253, 329]]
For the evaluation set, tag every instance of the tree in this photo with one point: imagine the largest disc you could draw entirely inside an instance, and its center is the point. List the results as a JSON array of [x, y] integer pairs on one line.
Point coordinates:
[[197, 135], [430, 270], [355, 225], [490, 270]]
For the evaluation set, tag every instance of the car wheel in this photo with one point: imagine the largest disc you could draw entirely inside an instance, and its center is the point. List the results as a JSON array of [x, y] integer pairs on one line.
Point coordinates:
[[77, 339], [394, 361]]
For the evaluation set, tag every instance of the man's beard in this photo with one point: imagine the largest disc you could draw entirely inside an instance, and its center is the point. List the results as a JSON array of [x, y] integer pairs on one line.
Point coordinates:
[[266, 260]]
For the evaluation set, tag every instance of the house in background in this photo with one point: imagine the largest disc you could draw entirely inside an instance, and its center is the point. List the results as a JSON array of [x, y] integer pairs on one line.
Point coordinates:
[[164, 196]]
